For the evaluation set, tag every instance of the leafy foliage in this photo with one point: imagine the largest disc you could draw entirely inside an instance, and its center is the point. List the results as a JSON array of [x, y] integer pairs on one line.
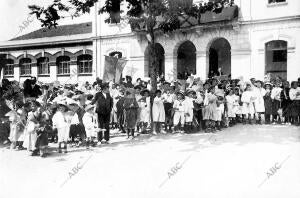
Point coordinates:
[[143, 15]]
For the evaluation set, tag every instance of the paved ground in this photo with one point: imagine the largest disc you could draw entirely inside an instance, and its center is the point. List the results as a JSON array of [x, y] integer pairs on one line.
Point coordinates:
[[234, 163]]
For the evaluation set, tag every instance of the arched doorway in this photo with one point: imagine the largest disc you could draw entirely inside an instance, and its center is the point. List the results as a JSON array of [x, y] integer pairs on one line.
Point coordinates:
[[186, 60], [161, 60], [276, 58], [219, 58]]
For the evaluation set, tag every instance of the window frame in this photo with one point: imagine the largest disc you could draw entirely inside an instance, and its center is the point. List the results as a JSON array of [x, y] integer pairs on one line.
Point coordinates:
[[270, 47], [25, 67], [63, 65], [43, 66], [8, 67]]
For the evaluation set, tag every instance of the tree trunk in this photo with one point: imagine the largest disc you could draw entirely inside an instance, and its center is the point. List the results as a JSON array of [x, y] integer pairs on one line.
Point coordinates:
[[153, 61]]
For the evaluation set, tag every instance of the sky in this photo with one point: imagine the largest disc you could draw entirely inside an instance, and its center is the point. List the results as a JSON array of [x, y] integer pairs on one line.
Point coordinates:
[[13, 13]]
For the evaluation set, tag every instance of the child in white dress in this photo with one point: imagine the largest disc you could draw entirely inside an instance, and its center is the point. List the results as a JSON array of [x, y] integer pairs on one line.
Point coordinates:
[[90, 125], [60, 123], [248, 104], [158, 112]]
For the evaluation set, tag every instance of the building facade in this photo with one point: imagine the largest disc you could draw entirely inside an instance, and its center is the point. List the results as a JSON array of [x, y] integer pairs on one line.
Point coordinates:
[[262, 38]]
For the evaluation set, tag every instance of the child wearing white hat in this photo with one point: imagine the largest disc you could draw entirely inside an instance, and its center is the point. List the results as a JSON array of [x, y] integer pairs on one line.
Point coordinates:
[[90, 124], [60, 123]]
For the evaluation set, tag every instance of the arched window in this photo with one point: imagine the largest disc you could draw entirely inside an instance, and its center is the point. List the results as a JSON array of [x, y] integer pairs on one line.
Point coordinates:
[[276, 58], [9, 67], [43, 66], [219, 58], [85, 64], [63, 65], [186, 60], [25, 66]]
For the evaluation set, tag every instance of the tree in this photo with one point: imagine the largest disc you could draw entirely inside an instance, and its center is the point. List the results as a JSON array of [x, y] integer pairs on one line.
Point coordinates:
[[147, 16]]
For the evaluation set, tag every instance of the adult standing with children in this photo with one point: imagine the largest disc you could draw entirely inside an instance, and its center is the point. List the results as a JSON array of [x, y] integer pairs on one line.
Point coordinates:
[[104, 104]]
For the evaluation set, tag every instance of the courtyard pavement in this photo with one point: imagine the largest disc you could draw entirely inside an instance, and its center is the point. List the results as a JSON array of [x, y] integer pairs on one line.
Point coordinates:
[[239, 162]]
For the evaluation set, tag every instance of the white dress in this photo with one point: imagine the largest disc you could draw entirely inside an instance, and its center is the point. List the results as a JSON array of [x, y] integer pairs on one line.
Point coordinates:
[[89, 125], [30, 135], [248, 107], [231, 103], [189, 108], [145, 110], [259, 103], [60, 123], [158, 110]]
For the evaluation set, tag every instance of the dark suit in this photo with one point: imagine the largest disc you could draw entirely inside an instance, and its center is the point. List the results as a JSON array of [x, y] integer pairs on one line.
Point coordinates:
[[103, 109]]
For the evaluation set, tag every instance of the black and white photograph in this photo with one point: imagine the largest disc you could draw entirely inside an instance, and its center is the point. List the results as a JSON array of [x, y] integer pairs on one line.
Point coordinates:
[[150, 98]]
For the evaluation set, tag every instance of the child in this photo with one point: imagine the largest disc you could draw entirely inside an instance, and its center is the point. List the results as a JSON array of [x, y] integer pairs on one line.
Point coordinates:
[[17, 125], [210, 108], [42, 132], [231, 106], [268, 103], [248, 104], [189, 110], [60, 123], [259, 104], [219, 111], [33, 123], [295, 106], [179, 114], [131, 112], [286, 103], [145, 109], [168, 104], [120, 111], [90, 125], [158, 112], [276, 102], [238, 111], [73, 121]]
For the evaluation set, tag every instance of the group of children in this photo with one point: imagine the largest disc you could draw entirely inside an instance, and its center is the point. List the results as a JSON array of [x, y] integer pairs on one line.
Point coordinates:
[[68, 116]]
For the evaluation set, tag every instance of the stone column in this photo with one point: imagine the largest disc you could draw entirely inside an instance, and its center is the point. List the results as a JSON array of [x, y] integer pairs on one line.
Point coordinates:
[[201, 65], [241, 64], [73, 72], [34, 70], [17, 72], [53, 71], [293, 69]]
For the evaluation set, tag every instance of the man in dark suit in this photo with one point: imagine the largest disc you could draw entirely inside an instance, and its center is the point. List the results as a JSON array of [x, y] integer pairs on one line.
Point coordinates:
[[104, 104]]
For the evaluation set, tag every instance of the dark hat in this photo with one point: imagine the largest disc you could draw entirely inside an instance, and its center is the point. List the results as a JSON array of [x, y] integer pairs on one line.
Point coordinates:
[[144, 91], [157, 91], [104, 86]]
